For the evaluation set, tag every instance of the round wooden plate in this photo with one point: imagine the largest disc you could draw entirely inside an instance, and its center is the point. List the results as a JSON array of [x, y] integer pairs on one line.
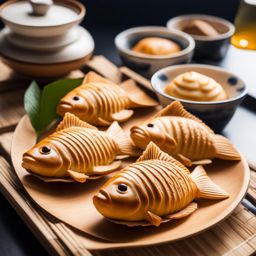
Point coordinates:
[[72, 202]]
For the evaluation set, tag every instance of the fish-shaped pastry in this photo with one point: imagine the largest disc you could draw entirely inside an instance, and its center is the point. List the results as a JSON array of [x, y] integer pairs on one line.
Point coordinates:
[[155, 189], [183, 136], [78, 151], [100, 102]]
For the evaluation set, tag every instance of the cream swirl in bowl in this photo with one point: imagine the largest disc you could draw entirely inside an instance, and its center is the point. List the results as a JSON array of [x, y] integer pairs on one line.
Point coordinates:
[[196, 87]]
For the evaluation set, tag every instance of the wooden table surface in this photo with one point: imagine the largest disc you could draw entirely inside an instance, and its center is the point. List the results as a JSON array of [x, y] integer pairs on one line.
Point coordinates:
[[17, 239]]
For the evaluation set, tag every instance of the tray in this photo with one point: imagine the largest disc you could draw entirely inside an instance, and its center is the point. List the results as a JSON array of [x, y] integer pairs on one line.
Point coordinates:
[[72, 203], [234, 236]]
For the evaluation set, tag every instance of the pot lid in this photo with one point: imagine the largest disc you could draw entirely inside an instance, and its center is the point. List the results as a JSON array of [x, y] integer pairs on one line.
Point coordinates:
[[42, 13]]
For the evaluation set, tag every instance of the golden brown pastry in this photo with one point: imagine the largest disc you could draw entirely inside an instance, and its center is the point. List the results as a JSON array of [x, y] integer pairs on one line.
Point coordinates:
[[100, 102], [78, 151], [195, 86], [183, 136], [155, 189], [200, 28], [156, 46]]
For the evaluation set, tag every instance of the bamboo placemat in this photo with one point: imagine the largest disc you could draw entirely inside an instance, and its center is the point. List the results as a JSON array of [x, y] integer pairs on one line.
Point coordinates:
[[233, 236]]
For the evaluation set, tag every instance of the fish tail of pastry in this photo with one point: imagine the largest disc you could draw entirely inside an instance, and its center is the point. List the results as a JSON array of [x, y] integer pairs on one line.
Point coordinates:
[[120, 137], [138, 98], [206, 187], [225, 149]]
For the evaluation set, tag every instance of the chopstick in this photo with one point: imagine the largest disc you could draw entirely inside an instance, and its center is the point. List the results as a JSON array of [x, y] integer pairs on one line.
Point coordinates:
[[249, 103]]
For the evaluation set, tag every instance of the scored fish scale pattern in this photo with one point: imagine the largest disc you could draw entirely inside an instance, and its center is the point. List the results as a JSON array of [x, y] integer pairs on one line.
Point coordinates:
[[107, 99], [85, 151], [162, 186], [185, 132]]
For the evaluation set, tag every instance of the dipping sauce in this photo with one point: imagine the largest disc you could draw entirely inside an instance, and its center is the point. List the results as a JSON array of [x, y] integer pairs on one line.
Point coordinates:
[[196, 87], [156, 46]]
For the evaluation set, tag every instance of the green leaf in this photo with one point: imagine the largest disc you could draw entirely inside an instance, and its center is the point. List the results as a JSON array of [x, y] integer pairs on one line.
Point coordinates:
[[51, 96], [41, 106], [32, 100]]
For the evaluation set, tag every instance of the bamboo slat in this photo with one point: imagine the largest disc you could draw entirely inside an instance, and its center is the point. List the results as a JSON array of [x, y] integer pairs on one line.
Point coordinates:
[[106, 68], [11, 107], [9, 80], [126, 72], [252, 187]]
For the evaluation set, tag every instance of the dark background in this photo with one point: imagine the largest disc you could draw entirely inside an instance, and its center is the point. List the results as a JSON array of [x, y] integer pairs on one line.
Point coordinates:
[[104, 19], [127, 13]]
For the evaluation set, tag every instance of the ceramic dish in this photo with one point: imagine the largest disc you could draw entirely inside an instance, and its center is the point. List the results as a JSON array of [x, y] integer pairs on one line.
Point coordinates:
[[148, 64], [57, 61], [72, 203], [45, 70], [215, 113], [18, 16], [215, 47], [46, 44]]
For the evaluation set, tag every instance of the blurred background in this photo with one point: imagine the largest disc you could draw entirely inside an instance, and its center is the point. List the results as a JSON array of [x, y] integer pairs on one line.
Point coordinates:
[[106, 18], [127, 13]]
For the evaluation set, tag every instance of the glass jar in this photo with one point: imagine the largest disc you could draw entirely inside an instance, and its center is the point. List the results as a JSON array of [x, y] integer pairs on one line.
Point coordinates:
[[245, 23]]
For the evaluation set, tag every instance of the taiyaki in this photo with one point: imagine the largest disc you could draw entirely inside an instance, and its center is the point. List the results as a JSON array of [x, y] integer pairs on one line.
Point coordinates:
[[78, 151], [100, 102], [183, 136], [196, 87], [155, 189], [156, 46]]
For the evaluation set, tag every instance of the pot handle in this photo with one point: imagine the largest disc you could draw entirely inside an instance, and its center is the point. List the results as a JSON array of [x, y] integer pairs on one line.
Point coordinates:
[[40, 7]]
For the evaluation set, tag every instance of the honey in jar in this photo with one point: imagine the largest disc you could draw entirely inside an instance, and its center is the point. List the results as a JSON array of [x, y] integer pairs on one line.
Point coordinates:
[[245, 23]]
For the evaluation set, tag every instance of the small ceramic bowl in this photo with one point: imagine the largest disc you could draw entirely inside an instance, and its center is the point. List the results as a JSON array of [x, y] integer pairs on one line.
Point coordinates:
[[148, 64], [211, 48], [215, 113]]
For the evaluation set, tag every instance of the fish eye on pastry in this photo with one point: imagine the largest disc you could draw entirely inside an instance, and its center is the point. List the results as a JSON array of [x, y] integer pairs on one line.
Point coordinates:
[[76, 98], [122, 188], [150, 125], [45, 150]]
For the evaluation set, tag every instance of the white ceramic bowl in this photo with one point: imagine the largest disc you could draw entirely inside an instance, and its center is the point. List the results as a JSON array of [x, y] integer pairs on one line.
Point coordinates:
[[213, 48], [148, 64], [215, 113]]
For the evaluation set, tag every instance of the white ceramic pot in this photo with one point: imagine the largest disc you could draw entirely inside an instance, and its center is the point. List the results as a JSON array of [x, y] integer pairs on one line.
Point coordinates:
[[61, 16]]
